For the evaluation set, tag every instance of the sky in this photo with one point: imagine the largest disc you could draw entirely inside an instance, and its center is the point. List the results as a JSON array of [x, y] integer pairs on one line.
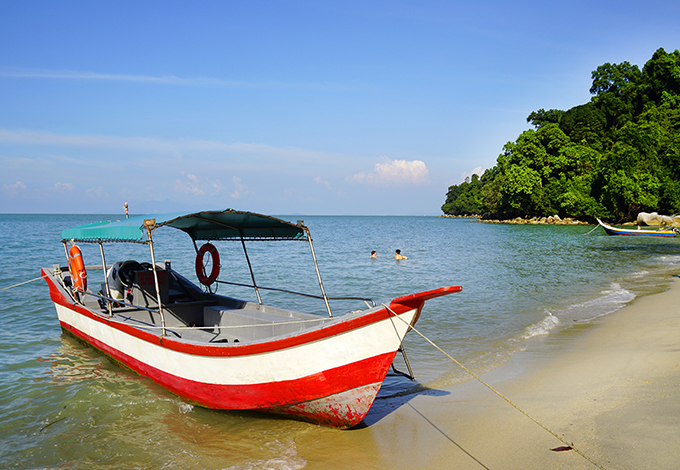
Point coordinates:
[[288, 107]]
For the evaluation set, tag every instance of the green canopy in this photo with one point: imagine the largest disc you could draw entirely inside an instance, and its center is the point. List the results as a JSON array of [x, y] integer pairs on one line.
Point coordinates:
[[206, 225]]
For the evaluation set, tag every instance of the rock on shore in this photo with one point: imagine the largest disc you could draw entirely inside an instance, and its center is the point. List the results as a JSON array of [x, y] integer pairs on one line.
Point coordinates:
[[551, 220]]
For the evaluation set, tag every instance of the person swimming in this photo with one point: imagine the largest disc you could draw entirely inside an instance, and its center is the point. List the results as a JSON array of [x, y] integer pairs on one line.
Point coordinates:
[[374, 254], [398, 255]]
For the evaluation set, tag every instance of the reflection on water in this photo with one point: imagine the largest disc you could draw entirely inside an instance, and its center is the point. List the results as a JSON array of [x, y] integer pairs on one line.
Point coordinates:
[[74, 362], [89, 413]]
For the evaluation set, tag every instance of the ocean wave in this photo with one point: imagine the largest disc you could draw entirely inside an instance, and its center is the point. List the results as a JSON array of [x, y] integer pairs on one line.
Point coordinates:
[[639, 274], [542, 328], [185, 408], [670, 259], [611, 300], [287, 459]]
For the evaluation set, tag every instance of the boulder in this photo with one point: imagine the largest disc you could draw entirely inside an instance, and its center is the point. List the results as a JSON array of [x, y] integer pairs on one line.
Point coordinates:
[[653, 218], [647, 218]]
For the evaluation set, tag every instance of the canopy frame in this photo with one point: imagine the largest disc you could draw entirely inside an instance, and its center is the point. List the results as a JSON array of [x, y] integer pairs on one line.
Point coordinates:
[[228, 224]]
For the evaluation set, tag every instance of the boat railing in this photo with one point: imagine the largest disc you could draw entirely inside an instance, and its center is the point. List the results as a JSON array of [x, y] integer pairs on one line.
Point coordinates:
[[369, 302], [175, 328], [312, 296], [117, 302], [121, 303]]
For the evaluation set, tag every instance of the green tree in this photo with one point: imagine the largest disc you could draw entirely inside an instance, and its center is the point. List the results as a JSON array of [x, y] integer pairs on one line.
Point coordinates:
[[616, 90], [521, 189], [526, 167], [586, 124], [631, 170], [542, 117], [577, 200], [611, 157], [661, 74], [667, 120], [465, 198]]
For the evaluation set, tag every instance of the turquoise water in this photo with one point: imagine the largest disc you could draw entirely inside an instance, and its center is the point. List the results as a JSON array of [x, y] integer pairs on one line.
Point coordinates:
[[62, 405]]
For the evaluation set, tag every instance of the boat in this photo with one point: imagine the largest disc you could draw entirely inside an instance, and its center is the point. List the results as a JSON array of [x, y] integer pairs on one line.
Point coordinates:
[[637, 232], [224, 352]]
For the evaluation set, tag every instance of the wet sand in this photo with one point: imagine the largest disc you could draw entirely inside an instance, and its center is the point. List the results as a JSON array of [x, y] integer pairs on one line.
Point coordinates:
[[612, 388]]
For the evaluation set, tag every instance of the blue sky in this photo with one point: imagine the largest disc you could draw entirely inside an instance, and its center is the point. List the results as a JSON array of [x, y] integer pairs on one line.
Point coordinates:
[[288, 107]]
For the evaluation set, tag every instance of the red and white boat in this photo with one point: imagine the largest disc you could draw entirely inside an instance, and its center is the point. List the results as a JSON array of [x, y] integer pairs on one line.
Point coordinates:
[[221, 352]]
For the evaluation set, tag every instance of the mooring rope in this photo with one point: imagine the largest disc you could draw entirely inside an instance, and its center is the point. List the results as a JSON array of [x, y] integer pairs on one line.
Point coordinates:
[[478, 378], [25, 282], [561, 439], [596, 227]]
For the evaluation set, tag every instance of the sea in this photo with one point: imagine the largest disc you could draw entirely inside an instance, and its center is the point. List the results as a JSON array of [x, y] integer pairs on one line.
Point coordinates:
[[65, 406]]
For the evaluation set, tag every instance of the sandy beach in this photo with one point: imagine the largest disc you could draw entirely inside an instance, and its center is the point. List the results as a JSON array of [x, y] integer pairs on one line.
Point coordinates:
[[611, 387]]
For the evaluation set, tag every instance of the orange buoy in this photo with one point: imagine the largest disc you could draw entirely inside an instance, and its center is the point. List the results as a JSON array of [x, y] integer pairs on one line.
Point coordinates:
[[200, 267], [77, 268]]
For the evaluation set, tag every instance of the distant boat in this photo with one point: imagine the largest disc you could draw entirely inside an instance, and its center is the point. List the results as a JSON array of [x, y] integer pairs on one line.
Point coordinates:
[[637, 232], [222, 352]]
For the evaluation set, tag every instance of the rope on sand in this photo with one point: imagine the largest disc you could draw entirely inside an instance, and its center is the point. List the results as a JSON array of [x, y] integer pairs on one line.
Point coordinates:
[[22, 283], [479, 379]]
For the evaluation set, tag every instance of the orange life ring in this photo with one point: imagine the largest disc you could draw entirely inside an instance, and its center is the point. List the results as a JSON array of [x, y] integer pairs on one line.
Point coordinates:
[[200, 268], [77, 268]]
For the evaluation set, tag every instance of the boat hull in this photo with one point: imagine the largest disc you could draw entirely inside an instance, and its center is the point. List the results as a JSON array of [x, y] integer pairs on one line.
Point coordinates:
[[226, 353], [609, 230], [328, 376]]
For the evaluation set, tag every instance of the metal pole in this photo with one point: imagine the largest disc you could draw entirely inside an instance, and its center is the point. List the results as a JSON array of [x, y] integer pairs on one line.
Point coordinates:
[[68, 264], [68, 258], [106, 279], [252, 274], [150, 224], [318, 274]]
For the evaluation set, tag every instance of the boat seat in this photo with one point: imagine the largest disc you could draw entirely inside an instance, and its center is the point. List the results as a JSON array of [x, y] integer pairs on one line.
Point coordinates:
[[144, 288], [248, 325]]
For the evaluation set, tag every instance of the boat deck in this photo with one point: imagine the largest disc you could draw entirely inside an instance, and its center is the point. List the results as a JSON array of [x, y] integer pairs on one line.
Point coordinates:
[[211, 320]]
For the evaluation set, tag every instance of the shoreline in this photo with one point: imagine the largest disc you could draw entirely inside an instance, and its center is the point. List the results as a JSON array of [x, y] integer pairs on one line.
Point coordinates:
[[550, 220], [611, 387]]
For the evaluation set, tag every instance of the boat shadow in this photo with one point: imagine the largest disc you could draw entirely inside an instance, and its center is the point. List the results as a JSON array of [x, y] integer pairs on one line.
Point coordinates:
[[400, 393], [386, 404]]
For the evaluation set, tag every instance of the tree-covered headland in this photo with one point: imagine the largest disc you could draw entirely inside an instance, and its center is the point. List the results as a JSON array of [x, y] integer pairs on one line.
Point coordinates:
[[615, 156]]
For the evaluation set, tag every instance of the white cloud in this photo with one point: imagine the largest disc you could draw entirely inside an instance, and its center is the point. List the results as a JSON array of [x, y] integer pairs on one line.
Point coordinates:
[[216, 186], [241, 189], [163, 146], [87, 141], [394, 171], [188, 185], [167, 80], [97, 193], [79, 75], [191, 184], [13, 189], [323, 182], [62, 187]]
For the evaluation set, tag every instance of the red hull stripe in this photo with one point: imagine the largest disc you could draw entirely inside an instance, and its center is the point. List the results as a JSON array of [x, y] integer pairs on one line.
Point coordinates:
[[255, 396]]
